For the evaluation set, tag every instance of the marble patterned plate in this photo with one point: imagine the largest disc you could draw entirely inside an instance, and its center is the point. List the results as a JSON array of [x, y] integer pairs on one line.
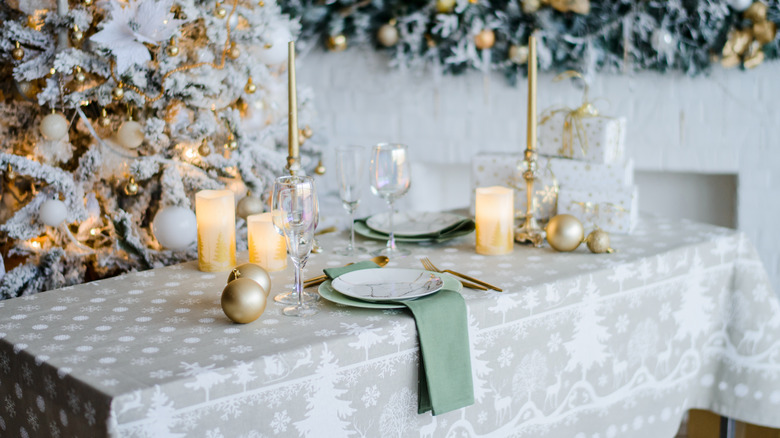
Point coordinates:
[[413, 223], [388, 284], [330, 294]]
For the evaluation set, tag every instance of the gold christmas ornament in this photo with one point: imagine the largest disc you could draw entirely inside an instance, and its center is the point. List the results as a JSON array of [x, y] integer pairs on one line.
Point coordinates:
[[234, 52], [77, 36], [54, 126], [118, 92], [581, 7], [220, 11], [320, 169], [131, 188], [204, 149], [518, 54], [261, 3], [249, 205], [756, 12], [173, 48], [253, 272], [250, 87], [530, 6], [243, 300], [598, 241], [564, 232], [79, 75], [10, 174], [307, 131], [337, 43], [764, 31], [232, 143], [86, 2], [18, 52], [754, 56], [104, 120], [485, 39], [387, 35], [445, 6], [29, 89]]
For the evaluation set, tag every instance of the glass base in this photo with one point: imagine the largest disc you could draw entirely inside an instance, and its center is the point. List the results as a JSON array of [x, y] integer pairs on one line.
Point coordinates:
[[354, 251], [300, 311], [392, 252], [292, 297]]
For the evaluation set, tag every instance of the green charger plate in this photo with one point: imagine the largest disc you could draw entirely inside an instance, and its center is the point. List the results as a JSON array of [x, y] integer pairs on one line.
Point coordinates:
[[332, 295], [464, 230]]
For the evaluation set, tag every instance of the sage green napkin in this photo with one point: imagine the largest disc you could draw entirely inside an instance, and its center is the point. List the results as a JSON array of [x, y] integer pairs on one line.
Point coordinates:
[[445, 382]]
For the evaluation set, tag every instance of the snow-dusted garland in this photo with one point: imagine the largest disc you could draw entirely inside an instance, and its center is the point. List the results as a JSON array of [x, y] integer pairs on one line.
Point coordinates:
[[90, 156], [453, 36]]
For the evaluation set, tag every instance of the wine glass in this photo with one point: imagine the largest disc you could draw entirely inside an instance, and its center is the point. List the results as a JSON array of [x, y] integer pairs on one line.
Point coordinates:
[[294, 216], [351, 164], [390, 179]]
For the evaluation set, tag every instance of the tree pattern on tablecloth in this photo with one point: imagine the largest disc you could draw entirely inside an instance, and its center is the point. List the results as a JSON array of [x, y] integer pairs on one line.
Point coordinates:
[[584, 342]]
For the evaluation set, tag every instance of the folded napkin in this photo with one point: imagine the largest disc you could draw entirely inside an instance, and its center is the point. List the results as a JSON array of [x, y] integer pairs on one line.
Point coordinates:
[[442, 327], [460, 228]]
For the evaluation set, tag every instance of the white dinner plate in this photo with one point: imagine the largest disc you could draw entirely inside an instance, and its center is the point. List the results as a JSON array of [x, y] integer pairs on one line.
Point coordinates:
[[388, 284], [413, 223]]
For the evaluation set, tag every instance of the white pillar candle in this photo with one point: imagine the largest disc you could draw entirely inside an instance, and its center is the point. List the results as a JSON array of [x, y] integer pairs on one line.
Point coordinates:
[[215, 211], [495, 220], [267, 248]]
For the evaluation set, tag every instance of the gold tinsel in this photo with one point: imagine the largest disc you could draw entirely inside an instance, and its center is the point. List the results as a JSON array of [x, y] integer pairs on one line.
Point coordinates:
[[744, 45]]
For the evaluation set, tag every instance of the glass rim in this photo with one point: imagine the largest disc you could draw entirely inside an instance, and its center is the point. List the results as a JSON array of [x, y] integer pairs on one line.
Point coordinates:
[[389, 145]]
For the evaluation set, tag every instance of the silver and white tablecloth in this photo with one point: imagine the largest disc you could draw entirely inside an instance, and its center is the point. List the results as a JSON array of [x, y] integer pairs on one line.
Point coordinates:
[[578, 345]]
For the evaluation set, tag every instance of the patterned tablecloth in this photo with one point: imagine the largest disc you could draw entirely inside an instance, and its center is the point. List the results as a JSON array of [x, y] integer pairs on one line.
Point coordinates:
[[578, 345]]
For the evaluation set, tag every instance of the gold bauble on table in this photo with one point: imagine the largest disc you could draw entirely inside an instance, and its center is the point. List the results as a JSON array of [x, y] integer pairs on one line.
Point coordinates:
[[445, 6], [564, 232], [485, 39], [598, 241], [249, 205], [387, 35], [18, 52], [243, 300], [131, 188], [337, 43], [253, 272], [118, 92]]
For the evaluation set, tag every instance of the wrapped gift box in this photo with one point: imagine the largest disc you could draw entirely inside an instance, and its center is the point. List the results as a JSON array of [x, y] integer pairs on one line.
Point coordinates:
[[500, 169], [574, 173], [613, 209], [604, 138]]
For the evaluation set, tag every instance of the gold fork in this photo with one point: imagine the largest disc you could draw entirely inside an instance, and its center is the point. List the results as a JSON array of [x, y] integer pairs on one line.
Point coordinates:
[[429, 266], [482, 284]]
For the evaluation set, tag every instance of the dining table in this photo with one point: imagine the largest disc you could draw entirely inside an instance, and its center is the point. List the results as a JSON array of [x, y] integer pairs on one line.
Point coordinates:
[[582, 345]]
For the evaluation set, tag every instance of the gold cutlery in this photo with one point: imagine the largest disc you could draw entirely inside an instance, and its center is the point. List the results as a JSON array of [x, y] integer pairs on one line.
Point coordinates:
[[379, 260], [325, 231], [428, 264]]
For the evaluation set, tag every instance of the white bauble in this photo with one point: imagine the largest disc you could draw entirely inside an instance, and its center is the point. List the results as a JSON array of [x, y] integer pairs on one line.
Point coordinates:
[[662, 41], [52, 212], [175, 227], [278, 38], [130, 134], [739, 5], [54, 126], [387, 35]]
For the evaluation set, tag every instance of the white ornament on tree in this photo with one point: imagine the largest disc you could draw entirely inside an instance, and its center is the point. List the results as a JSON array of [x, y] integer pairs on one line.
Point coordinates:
[[130, 134], [275, 51], [52, 212], [662, 41], [54, 126], [739, 5], [175, 227]]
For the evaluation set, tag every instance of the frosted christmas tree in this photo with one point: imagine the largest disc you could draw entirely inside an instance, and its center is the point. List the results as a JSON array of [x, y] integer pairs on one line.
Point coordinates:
[[114, 113]]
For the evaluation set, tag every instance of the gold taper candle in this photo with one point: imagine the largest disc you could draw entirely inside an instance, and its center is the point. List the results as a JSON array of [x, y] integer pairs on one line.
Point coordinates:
[[531, 135], [293, 156]]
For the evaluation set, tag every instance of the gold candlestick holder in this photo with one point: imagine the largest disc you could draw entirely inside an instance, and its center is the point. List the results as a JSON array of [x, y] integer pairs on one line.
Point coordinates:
[[530, 231]]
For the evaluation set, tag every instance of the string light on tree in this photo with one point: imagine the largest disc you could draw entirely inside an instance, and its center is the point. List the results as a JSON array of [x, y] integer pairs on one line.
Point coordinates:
[[337, 43]]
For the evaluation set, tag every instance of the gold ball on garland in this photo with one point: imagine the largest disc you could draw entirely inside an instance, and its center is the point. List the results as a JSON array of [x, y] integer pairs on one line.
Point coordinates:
[[118, 92], [79, 76], [564, 232], [598, 241], [249, 205], [131, 188], [250, 86], [764, 31], [337, 43], [220, 11], [54, 126], [531, 6], [252, 272], [172, 49], [485, 39], [320, 169], [18, 52], [10, 174], [104, 120], [77, 36], [445, 6], [518, 54], [234, 52], [243, 300], [756, 12], [232, 144], [387, 35], [204, 149]]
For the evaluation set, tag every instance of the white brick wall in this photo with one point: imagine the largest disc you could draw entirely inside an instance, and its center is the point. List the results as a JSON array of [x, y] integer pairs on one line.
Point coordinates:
[[728, 122]]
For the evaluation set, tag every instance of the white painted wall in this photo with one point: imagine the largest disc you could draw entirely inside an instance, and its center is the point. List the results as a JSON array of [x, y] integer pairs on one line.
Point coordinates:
[[725, 123]]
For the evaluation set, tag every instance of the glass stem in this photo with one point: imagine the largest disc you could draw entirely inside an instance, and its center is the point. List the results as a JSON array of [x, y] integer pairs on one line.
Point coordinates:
[[351, 247], [298, 280], [391, 240]]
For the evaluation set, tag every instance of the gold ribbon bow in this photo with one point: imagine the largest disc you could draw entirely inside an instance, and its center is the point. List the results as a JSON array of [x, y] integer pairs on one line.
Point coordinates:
[[573, 120]]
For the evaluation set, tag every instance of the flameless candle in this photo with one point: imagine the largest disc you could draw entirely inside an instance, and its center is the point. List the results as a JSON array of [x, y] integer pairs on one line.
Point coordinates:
[[215, 211], [495, 220], [267, 248]]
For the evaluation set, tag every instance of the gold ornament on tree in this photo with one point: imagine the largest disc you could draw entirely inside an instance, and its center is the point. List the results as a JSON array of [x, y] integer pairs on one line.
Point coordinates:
[[250, 86], [530, 6], [581, 7], [253, 272], [77, 36], [104, 120], [518, 54], [234, 52], [18, 52], [173, 48], [243, 300], [204, 149], [78, 75], [337, 43], [220, 11], [118, 92], [485, 39], [131, 188], [387, 35], [745, 45], [320, 169], [445, 6], [249, 205]]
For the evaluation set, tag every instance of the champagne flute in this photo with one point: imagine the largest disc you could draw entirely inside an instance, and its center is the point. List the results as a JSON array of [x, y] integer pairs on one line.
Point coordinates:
[[390, 179], [295, 217], [351, 164]]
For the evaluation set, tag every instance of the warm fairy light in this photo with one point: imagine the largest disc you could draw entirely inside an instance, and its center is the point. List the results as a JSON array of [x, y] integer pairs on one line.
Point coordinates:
[[52, 71], [190, 153], [232, 171], [94, 231], [35, 244]]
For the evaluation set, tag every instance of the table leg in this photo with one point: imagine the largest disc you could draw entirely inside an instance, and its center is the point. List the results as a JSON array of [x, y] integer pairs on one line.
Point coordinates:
[[727, 427]]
